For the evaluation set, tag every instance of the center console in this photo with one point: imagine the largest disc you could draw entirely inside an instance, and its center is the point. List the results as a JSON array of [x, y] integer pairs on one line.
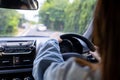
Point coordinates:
[[16, 59]]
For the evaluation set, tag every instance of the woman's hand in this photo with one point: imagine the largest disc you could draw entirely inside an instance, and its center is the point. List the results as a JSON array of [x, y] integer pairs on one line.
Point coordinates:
[[96, 54], [56, 36]]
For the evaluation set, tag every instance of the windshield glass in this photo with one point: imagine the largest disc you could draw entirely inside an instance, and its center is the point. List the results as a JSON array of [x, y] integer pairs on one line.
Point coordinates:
[[65, 16]]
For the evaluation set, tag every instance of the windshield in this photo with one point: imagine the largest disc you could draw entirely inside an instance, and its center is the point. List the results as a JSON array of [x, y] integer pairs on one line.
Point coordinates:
[[65, 16]]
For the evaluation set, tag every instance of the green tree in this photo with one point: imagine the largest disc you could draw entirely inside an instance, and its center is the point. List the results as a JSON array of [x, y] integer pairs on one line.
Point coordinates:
[[52, 13], [67, 16], [9, 20], [78, 15]]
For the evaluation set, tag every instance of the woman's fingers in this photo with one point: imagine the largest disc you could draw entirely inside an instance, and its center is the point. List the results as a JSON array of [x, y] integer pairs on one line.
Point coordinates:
[[56, 36], [96, 54]]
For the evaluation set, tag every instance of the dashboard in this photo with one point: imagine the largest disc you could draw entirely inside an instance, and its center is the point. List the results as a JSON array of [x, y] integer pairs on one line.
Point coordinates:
[[18, 53]]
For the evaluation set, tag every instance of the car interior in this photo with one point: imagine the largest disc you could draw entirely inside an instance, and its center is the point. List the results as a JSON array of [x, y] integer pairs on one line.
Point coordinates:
[[17, 53]]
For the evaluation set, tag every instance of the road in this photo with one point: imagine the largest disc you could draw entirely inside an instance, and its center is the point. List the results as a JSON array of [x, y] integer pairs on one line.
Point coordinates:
[[32, 31]]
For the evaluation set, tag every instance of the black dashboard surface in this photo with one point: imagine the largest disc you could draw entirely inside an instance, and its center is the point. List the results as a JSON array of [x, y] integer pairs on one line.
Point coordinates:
[[17, 55], [41, 40]]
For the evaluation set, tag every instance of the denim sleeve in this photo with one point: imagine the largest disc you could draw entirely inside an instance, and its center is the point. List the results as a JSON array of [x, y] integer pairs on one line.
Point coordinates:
[[49, 65], [48, 53]]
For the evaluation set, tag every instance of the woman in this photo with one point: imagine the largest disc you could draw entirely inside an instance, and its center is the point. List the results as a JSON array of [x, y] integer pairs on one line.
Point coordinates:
[[49, 64], [106, 37]]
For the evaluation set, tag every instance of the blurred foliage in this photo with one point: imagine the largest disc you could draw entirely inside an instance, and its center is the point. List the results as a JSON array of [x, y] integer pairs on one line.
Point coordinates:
[[65, 16], [78, 15], [52, 13], [9, 20]]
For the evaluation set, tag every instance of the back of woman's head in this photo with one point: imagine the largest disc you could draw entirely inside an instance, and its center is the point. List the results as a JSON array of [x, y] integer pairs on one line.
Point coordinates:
[[106, 36]]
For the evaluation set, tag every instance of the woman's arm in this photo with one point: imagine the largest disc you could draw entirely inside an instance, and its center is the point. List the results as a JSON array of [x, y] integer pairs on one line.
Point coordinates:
[[49, 65], [49, 53]]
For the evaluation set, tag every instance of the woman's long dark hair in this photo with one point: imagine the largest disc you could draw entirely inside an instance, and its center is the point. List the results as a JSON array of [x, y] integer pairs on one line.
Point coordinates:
[[106, 36]]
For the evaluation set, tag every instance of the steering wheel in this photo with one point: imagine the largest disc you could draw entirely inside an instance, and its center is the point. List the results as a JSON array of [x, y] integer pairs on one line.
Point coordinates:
[[75, 54]]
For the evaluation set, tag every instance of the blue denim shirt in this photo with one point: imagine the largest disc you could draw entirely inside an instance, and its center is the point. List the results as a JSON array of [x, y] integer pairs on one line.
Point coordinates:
[[49, 65]]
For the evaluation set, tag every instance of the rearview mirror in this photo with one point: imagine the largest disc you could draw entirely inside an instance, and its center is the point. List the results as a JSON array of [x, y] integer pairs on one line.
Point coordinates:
[[19, 4]]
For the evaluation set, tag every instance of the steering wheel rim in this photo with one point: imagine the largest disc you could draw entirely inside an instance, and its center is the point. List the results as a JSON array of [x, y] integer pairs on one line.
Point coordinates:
[[74, 54], [89, 44]]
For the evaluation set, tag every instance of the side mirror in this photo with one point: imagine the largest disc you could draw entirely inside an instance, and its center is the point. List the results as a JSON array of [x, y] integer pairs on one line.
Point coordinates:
[[19, 4]]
